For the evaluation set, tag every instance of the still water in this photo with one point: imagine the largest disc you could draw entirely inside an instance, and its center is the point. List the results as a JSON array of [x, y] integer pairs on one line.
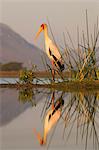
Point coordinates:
[[35, 80], [72, 119]]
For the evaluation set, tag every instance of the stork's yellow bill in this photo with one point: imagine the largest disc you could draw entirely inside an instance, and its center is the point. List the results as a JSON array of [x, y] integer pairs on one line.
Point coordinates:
[[40, 30]]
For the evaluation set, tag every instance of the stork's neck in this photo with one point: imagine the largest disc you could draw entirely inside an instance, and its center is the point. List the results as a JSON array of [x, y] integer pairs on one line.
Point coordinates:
[[45, 138], [46, 34]]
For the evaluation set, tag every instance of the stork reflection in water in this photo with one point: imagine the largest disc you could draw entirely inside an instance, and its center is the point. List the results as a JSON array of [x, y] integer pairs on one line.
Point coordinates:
[[51, 118]]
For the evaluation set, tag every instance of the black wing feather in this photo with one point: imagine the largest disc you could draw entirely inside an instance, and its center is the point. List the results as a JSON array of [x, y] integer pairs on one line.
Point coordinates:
[[61, 66]]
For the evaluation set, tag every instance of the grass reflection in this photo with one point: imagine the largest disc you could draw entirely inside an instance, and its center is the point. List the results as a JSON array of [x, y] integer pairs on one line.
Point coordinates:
[[77, 111], [26, 95], [82, 110]]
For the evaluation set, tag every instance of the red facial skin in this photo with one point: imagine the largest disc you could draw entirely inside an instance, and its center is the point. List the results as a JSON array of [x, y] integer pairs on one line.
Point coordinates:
[[42, 142], [42, 26]]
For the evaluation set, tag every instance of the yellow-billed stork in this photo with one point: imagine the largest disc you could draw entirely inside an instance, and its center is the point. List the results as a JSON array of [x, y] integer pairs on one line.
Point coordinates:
[[51, 50]]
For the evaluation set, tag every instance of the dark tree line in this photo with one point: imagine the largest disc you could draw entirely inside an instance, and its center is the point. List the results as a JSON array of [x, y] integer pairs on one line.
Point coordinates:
[[11, 66]]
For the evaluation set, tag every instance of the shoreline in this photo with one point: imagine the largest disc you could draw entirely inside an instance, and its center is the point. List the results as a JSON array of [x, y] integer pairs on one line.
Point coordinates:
[[75, 85], [41, 74], [65, 86]]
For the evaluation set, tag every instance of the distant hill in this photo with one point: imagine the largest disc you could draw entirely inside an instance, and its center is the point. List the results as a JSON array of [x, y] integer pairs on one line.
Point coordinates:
[[14, 48]]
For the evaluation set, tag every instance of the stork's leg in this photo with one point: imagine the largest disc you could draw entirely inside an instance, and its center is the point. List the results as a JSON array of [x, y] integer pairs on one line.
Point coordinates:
[[53, 71]]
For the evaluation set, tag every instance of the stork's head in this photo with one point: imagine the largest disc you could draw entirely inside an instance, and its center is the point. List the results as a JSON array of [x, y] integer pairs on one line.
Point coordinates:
[[42, 27]]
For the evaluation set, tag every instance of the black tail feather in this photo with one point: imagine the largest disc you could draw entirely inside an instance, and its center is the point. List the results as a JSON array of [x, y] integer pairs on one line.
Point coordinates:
[[61, 66]]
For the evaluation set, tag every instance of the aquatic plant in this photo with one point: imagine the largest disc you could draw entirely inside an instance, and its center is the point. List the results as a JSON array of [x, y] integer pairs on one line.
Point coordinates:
[[26, 76]]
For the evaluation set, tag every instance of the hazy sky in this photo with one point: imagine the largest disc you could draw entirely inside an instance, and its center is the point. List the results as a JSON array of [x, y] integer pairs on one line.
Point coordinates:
[[25, 16]]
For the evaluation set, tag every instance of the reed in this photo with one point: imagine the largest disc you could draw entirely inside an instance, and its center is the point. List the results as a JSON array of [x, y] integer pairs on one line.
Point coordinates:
[[83, 58]]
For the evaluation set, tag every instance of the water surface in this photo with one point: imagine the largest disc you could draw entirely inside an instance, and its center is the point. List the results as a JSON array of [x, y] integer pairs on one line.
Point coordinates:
[[23, 110]]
